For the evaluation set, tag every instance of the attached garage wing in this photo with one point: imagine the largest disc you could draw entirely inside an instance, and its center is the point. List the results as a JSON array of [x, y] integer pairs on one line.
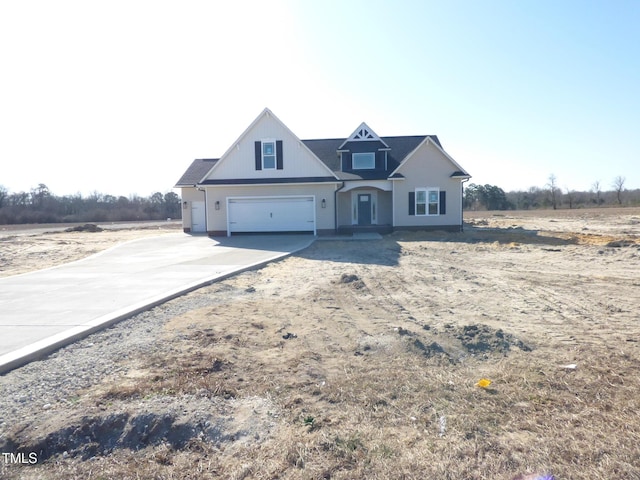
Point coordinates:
[[271, 214]]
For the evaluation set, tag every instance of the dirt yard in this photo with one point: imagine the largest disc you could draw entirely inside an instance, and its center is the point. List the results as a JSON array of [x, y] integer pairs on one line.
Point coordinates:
[[24, 249], [357, 360]]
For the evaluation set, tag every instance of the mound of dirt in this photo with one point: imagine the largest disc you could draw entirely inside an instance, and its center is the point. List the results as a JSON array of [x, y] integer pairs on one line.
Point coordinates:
[[90, 436], [87, 227], [431, 349], [348, 278], [480, 338], [162, 422], [352, 280], [454, 343]]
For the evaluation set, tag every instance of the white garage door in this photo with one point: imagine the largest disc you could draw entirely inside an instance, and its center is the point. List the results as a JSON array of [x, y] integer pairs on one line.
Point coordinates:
[[271, 214]]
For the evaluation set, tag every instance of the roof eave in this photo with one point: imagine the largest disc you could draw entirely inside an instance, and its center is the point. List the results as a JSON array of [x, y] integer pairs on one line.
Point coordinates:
[[404, 160], [424, 142]]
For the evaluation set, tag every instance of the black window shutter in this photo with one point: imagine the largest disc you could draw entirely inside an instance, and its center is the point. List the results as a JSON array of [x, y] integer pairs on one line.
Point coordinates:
[[279, 164], [412, 203], [443, 202], [258, 155]]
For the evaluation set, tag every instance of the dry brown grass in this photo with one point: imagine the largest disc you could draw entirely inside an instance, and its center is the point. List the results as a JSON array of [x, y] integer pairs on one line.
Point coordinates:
[[379, 360]]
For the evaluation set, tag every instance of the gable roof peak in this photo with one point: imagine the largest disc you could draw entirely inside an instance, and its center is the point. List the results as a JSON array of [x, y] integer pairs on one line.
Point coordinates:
[[364, 133], [266, 113]]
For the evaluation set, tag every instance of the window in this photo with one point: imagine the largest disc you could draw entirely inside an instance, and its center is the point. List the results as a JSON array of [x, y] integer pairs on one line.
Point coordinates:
[[433, 202], [361, 161], [421, 202], [427, 201], [268, 154]]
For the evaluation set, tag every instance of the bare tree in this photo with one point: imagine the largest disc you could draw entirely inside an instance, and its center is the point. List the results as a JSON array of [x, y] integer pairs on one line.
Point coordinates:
[[571, 195], [596, 188], [39, 194], [553, 187], [618, 186], [4, 193]]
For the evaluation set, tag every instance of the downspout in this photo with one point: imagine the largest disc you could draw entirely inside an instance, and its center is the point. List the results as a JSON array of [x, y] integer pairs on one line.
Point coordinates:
[[393, 205], [335, 207], [206, 219], [462, 204]]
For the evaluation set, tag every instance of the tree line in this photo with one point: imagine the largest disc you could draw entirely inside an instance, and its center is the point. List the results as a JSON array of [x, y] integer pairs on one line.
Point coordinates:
[[39, 205], [551, 195]]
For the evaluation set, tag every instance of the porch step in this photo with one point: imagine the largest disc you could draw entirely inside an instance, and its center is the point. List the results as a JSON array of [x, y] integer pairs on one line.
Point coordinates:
[[383, 229], [352, 236]]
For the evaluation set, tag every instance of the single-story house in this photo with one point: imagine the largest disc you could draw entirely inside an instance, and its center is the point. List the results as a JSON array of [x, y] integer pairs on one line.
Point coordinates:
[[271, 181]]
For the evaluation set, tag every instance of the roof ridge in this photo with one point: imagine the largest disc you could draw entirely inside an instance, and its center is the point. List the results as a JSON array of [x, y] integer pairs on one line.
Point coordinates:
[[385, 136], [409, 136], [312, 139]]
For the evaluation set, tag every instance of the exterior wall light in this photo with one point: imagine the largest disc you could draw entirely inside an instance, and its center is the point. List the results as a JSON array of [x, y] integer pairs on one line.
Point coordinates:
[[323, 203], [217, 204], [184, 205]]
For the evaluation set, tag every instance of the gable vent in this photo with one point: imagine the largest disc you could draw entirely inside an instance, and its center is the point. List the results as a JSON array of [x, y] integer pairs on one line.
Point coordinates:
[[363, 134]]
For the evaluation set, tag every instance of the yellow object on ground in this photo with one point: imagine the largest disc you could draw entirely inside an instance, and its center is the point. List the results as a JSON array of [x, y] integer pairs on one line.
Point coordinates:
[[483, 383]]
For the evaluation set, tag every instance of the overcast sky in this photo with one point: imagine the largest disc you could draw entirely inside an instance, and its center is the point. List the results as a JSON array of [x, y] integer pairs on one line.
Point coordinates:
[[120, 96]]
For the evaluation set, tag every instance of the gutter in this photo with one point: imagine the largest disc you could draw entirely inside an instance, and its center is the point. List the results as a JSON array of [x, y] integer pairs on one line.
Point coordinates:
[[335, 207], [206, 220], [462, 203]]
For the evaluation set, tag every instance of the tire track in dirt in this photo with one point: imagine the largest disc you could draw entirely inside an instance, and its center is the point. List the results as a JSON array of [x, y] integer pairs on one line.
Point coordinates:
[[511, 298], [560, 305], [386, 298]]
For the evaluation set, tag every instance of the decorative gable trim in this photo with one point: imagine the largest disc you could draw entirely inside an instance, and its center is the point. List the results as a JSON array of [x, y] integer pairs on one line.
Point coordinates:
[[363, 133]]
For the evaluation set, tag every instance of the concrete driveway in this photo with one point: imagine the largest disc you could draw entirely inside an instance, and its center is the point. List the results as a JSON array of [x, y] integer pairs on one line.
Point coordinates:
[[44, 310]]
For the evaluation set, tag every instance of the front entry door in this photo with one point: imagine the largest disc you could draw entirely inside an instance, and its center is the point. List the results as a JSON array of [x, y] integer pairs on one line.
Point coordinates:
[[364, 209]]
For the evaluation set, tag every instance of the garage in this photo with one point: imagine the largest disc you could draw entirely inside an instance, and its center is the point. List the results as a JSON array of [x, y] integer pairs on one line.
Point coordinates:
[[271, 214]]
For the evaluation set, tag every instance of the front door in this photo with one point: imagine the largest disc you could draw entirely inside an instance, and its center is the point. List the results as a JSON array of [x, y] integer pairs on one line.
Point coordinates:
[[364, 209]]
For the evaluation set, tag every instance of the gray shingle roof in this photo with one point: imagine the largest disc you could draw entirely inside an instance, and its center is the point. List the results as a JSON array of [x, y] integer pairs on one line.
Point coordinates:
[[326, 150], [460, 174], [196, 171], [400, 147]]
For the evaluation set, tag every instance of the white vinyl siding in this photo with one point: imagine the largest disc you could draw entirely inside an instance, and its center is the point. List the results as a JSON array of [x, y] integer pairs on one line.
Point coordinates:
[[239, 161]]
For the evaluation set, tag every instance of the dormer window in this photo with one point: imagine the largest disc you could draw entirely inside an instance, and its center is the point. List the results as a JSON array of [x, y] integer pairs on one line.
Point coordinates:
[[363, 161], [268, 154]]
